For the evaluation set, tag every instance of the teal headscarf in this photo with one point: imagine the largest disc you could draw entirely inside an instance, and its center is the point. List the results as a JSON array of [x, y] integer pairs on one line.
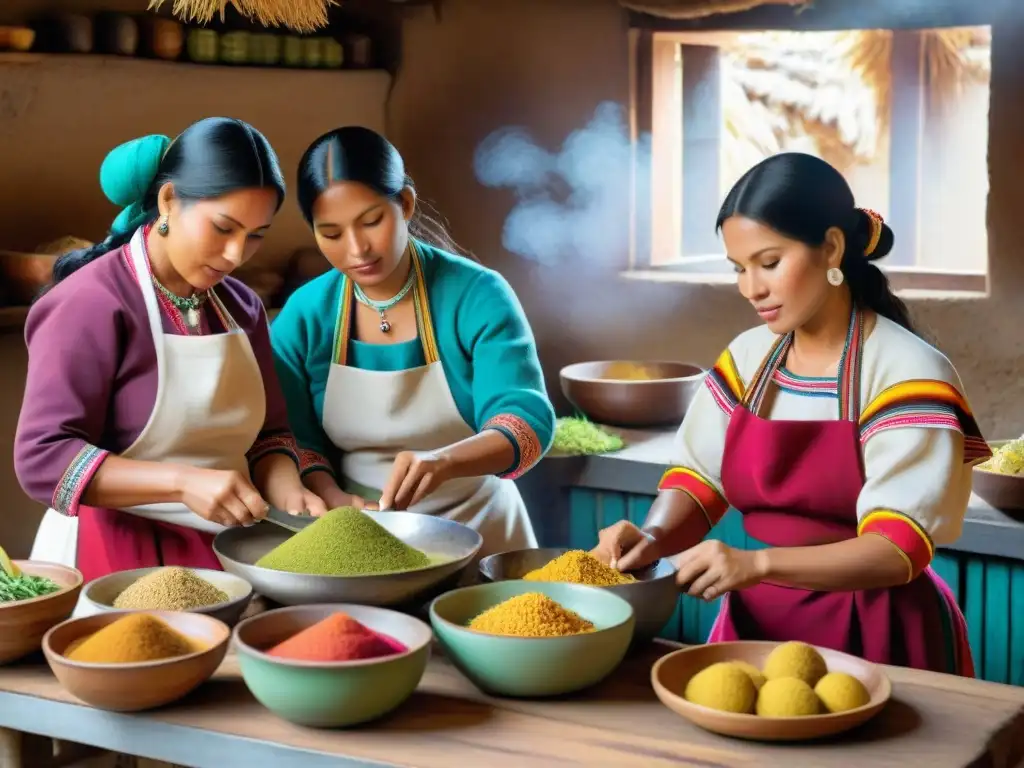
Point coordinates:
[[126, 175]]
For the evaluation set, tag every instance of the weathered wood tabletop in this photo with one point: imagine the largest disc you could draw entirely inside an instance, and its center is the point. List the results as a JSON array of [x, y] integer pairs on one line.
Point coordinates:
[[933, 720]]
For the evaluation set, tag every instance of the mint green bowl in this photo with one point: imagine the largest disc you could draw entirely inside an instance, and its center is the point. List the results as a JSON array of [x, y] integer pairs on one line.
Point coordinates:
[[533, 666], [331, 694]]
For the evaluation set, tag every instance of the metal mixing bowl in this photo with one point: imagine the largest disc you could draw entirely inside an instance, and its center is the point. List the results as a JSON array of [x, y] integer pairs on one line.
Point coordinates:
[[653, 596], [239, 548], [661, 400]]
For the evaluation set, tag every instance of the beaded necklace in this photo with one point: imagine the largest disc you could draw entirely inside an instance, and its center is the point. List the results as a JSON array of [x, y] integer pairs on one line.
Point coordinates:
[[383, 306]]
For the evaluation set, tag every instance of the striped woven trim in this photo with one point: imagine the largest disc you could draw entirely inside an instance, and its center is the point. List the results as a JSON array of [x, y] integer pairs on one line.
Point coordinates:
[[68, 493], [724, 383], [926, 403], [810, 386], [697, 487], [267, 443], [904, 533], [754, 395], [524, 440], [312, 461], [847, 381], [424, 321], [849, 369]]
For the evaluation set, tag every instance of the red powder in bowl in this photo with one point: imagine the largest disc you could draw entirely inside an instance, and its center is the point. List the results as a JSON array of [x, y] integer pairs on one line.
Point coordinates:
[[339, 637]]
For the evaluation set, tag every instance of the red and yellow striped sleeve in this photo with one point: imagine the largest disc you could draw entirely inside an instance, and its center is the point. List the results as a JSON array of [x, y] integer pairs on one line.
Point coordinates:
[[699, 488], [904, 533]]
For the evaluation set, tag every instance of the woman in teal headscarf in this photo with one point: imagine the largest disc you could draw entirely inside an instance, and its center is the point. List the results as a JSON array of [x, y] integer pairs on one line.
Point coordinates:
[[152, 415]]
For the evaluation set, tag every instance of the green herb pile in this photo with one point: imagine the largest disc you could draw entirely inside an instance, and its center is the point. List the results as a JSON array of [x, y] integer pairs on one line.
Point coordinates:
[[24, 587], [579, 437]]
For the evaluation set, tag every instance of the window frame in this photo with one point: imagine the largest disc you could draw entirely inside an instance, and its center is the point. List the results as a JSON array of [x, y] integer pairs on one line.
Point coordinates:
[[652, 44]]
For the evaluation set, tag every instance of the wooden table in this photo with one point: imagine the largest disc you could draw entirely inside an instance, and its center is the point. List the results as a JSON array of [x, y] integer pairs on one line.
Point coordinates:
[[933, 720]]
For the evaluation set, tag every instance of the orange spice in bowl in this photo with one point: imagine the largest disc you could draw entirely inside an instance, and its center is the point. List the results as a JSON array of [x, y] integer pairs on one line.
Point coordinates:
[[338, 637]]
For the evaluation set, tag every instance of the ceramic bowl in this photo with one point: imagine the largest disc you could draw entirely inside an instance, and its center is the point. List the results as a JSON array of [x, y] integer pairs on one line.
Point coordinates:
[[99, 594], [23, 623], [143, 685], [654, 595], [671, 673], [533, 666], [1004, 492], [331, 694], [660, 400], [453, 544]]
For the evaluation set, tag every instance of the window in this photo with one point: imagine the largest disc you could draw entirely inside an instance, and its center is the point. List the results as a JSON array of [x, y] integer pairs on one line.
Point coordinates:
[[903, 114]]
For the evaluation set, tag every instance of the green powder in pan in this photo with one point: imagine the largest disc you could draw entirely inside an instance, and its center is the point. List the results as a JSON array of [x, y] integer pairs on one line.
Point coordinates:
[[344, 542]]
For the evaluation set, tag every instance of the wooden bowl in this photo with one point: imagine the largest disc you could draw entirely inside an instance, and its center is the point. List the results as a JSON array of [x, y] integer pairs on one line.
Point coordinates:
[[143, 685], [671, 673], [1004, 492], [99, 594], [23, 623], [659, 400]]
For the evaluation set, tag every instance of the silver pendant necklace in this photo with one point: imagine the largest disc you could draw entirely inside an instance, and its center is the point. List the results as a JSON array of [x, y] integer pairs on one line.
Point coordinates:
[[188, 305], [383, 306]]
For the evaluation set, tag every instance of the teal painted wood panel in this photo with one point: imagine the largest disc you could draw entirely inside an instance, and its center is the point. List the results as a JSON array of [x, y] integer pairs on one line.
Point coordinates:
[[990, 590]]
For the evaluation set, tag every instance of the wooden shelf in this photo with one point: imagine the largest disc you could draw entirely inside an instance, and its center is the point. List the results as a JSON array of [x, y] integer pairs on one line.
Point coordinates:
[[14, 58]]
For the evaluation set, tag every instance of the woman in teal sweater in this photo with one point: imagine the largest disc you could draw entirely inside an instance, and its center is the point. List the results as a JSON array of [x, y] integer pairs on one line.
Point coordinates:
[[410, 372]]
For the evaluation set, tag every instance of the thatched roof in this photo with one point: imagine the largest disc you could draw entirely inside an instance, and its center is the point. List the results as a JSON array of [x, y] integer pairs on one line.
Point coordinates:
[[829, 91]]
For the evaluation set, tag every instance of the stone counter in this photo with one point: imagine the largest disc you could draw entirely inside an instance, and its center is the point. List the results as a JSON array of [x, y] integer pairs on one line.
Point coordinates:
[[637, 469]]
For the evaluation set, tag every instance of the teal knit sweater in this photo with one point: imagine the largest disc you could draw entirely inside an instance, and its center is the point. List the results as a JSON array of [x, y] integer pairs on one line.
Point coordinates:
[[485, 345]]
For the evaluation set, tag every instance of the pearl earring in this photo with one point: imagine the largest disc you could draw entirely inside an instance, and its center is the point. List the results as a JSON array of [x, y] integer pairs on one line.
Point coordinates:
[[835, 276]]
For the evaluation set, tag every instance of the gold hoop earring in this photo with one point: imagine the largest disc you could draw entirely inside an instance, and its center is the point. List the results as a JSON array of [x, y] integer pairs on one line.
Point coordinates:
[[163, 227], [835, 276]]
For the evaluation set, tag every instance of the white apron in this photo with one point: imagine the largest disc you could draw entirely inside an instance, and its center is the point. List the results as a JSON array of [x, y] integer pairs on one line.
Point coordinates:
[[209, 409], [374, 415]]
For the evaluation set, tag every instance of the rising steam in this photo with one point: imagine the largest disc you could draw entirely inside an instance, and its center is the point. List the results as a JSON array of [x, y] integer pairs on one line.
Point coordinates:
[[575, 201]]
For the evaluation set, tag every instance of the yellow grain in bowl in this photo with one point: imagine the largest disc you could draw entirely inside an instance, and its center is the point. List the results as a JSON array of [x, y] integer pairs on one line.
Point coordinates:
[[531, 614]]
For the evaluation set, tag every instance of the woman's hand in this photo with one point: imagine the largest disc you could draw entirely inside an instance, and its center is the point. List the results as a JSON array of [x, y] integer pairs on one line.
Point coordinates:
[[296, 499], [225, 497], [323, 485], [712, 568], [413, 477], [626, 547]]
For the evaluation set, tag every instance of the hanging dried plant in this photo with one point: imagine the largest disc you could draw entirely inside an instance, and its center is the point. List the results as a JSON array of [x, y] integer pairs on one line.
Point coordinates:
[[832, 90], [298, 15]]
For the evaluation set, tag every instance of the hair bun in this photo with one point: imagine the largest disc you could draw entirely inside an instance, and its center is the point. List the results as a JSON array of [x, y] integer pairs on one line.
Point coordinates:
[[128, 170], [876, 234]]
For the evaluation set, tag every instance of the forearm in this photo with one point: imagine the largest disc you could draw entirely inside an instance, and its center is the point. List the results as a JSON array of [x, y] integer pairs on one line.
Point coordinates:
[[275, 469], [676, 522], [486, 453], [865, 562], [120, 483]]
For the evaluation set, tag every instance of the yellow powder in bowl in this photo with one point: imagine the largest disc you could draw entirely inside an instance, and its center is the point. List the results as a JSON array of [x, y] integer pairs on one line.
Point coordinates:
[[530, 615], [579, 567], [131, 639]]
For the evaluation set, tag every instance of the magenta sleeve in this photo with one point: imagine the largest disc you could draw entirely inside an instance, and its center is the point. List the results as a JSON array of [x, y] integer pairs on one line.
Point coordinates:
[[74, 337]]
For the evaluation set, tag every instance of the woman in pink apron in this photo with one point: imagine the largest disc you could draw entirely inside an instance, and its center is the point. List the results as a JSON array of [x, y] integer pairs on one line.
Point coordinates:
[[843, 439], [152, 417], [411, 375]]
